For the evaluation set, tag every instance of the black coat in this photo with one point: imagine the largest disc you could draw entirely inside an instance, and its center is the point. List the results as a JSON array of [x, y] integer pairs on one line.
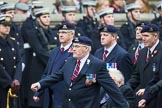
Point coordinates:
[[145, 70], [154, 87], [10, 66], [37, 54], [128, 33], [15, 32]]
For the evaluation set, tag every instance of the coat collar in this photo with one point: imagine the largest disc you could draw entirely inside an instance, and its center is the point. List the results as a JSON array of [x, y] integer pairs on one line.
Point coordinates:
[[154, 53]]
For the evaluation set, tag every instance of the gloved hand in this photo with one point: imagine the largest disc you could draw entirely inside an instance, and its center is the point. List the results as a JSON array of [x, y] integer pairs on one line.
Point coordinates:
[[15, 86]]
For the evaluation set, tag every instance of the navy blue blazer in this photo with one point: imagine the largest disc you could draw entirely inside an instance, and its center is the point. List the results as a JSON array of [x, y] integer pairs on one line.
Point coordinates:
[[121, 57], [78, 95]]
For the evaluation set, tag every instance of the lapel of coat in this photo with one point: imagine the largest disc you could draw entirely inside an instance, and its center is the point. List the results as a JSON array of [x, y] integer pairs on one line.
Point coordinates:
[[69, 71], [142, 58], [100, 54], [84, 69], [154, 53], [55, 53]]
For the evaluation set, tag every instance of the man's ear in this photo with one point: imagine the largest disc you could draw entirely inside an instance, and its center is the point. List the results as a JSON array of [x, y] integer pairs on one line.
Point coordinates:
[[38, 19], [63, 17], [129, 14], [156, 34]]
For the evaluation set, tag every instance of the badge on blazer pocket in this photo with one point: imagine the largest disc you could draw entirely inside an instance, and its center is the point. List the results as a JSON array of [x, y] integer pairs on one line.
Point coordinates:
[[90, 79]]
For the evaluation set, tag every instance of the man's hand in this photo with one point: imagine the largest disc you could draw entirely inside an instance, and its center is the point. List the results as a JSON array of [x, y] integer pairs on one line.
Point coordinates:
[[142, 103], [35, 87], [36, 98], [140, 92], [15, 86]]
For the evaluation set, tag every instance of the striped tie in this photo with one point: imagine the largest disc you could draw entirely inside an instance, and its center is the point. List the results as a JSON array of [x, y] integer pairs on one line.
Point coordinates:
[[148, 56], [104, 55], [62, 49], [76, 71], [137, 54]]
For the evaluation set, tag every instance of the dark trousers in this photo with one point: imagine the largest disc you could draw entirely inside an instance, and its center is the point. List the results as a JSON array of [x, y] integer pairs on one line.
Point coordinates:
[[3, 97]]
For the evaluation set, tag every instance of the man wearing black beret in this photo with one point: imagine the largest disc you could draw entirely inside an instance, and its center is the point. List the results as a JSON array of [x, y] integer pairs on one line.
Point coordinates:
[[148, 62], [69, 15], [83, 75], [115, 53]]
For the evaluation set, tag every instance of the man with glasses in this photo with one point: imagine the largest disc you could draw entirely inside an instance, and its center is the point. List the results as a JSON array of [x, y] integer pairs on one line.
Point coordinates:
[[83, 75], [57, 58], [69, 15]]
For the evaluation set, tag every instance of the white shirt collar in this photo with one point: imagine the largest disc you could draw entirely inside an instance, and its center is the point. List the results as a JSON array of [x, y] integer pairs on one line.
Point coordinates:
[[110, 48], [83, 60], [142, 45], [153, 47], [66, 47]]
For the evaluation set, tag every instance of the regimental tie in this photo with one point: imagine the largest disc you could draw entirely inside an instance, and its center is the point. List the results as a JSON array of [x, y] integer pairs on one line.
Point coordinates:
[[105, 55], [148, 56], [137, 54], [76, 71], [62, 49]]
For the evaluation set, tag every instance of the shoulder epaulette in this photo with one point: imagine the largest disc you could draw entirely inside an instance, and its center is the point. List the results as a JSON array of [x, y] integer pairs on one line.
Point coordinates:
[[12, 38]]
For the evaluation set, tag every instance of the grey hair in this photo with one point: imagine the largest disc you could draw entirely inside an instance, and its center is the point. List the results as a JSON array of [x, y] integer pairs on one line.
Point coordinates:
[[73, 31], [90, 48], [117, 74]]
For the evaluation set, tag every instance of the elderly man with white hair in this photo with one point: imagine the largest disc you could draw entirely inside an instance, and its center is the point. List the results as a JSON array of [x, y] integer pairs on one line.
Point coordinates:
[[127, 92]]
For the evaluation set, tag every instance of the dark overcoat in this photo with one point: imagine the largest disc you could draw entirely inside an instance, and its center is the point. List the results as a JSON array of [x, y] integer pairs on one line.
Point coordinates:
[[77, 93], [10, 66]]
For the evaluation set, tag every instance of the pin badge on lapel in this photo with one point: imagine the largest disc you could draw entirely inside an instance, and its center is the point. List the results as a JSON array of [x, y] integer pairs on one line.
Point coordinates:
[[154, 53], [88, 61], [70, 50], [90, 79]]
